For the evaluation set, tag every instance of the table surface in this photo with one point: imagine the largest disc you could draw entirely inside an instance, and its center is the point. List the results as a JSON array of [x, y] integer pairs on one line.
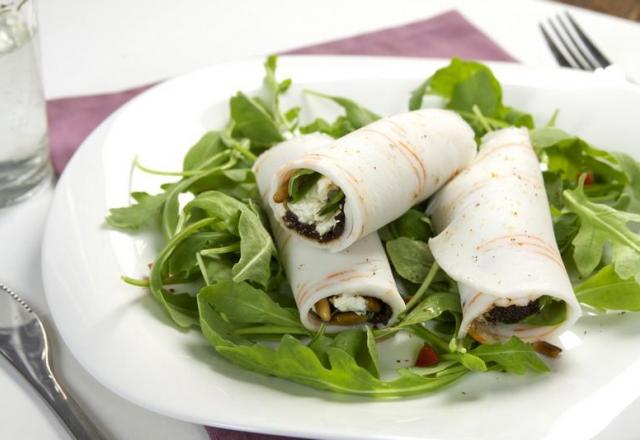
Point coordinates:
[[95, 46]]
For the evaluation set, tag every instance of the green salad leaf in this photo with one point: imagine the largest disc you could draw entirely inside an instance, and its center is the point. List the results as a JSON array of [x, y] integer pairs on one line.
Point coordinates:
[[357, 115], [253, 121], [431, 307], [273, 89], [137, 216], [601, 224], [514, 356], [301, 182], [338, 128], [236, 218], [606, 290], [249, 308], [410, 258], [552, 312], [413, 224], [293, 360], [471, 89], [572, 156], [201, 153], [334, 202]]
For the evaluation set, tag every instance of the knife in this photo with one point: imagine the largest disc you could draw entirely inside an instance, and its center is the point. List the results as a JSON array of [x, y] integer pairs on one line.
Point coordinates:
[[23, 341]]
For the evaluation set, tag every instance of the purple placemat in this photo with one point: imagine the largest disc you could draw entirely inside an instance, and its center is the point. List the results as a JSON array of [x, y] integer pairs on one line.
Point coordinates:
[[443, 36]]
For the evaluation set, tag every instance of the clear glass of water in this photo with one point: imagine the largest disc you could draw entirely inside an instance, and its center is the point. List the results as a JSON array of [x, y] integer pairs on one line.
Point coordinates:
[[24, 155]]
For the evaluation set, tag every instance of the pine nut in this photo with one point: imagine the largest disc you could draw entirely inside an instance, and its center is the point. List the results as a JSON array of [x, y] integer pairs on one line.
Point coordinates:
[[323, 309], [348, 318]]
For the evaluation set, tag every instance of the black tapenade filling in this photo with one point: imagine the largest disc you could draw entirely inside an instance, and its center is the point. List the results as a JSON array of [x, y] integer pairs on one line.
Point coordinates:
[[291, 221], [512, 314], [382, 317]]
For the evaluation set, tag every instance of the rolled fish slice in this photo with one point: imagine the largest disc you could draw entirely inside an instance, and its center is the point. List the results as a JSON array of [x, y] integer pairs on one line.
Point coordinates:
[[384, 169], [497, 239], [313, 273]]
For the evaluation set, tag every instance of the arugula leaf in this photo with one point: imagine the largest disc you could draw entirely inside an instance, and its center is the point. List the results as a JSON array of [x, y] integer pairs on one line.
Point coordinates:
[[410, 258], [630, 197], [412, 224], [360, 344], [334, 202], [431, 307], [472, 362], [214, 269], [182, 263], [552, 312], [294, 361], [202, 151], [565, 228], [244, 305], [600, 224], [516, 117], [554, 185], [480, 89], [170, 214], [301, 182], [178, 307], [457, 74], [252, 121], [273, 89], [239, 183], [256, 250], [514, 356], [471, 89], [134, 217], [256, 245], [571, 156], [606, 290], [468, 360], [355, 114], [340, 127]]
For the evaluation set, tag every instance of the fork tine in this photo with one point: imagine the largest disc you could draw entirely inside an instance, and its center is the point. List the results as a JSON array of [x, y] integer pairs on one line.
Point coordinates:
[[588, 62], [571, 57], [599, 56], [560, 58]]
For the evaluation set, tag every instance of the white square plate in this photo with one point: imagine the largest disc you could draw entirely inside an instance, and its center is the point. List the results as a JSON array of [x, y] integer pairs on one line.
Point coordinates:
[[122, 337]]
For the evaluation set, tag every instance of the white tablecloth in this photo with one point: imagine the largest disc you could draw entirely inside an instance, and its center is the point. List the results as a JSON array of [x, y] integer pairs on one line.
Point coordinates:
[[96, 46]]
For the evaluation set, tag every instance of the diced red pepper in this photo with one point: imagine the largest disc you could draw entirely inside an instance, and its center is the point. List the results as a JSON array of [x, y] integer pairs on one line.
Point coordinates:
[[427, 357], [588, 178]]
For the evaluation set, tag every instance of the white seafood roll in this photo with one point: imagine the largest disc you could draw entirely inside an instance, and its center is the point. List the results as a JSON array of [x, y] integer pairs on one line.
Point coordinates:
[[380, 171], [496, 240], [356, 285]]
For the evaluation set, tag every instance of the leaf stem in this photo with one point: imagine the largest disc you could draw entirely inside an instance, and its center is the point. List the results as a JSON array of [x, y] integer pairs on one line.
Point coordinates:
[[233, 247], [433, 271], [491, 121], [135, 281], [426, 334], [188, 173], [271, 330], [481, 118], [552, 120]]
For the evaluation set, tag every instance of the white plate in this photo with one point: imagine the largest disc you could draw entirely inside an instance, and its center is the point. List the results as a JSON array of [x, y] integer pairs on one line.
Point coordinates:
[[122, 337]]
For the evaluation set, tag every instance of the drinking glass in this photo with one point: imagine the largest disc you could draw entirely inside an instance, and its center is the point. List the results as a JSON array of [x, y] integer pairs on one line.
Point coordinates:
[[24, 156]]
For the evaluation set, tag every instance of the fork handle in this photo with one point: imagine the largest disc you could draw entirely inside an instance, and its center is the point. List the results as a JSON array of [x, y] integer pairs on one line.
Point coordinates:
[[75, 419], [39, 374]]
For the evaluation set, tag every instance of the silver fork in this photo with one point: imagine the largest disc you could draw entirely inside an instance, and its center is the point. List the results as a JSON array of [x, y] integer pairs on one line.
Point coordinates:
[[23, 341], [571, 47]]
